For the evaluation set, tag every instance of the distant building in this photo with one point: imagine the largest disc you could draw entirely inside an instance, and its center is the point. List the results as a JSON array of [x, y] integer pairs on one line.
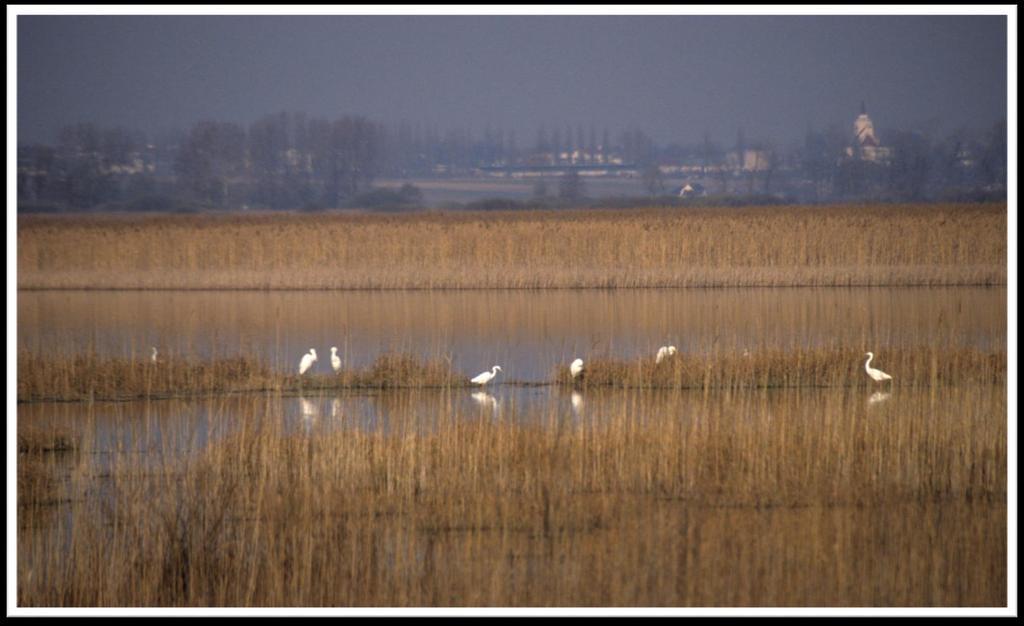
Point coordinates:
[[865, 145], [749, 160]]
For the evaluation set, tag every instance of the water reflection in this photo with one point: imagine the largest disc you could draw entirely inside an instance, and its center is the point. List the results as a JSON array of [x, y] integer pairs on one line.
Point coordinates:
[[308, 408], [577, 404], [173, 428], [878, 397], [529, 332], [485, 400]]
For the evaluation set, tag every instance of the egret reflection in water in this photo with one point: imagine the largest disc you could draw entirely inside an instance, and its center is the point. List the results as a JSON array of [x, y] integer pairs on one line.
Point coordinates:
[[308, 408], [485, 400], [878, 397], [577, 403]]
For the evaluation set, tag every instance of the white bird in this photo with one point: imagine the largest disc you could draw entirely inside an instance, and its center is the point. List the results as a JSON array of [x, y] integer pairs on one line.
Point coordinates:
[[485, 377], [576, 367], [307, 361], [153, 358], [335, 359], [877, 375], [664, 352]]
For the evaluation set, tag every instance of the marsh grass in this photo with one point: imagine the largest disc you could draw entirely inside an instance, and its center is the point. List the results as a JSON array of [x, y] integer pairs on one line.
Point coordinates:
[[89, 377], [389, 371], [35, 439], [43, 452], [822, 367], [92, 377], [755, 499], [838, 245]]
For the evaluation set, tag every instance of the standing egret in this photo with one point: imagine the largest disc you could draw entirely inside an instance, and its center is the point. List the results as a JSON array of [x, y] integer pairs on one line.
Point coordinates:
[[307, 361], [335, 360], [485, 377], [876, 375], [576, 367], [153, 358], [664, 352]]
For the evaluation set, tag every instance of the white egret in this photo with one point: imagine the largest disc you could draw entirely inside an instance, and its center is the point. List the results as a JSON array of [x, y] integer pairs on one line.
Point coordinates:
[[665, 352], [485, 377], [307, 361], [576, 367], [335, 360], [876, 375], [153, 358]]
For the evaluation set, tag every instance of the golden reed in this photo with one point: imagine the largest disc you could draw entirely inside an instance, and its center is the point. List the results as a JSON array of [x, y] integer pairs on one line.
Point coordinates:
[[767, 499], [822, 367], [839, 245], [90, 377]]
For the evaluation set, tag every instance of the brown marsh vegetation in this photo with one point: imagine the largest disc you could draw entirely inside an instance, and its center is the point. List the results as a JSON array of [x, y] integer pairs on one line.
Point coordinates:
[[840, 245], [822, 367], [770, 491], [90, 377], [757, 498]]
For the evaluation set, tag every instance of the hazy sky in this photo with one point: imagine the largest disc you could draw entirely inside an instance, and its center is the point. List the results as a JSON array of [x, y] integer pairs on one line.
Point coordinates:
[[675, 77]]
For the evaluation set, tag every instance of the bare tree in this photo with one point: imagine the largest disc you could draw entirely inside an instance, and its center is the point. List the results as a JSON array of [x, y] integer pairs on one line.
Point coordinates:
[[654, 180], [570, 187], [211, 155]]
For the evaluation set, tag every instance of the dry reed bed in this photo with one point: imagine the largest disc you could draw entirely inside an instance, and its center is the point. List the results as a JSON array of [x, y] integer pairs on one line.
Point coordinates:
[[841, 245], [823, 367], [34, 439], [735, 507], [89, 377]]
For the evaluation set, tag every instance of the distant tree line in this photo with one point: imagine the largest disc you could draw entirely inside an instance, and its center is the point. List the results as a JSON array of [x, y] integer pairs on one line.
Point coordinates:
[[919, 167], [279, 161], [290, 160]]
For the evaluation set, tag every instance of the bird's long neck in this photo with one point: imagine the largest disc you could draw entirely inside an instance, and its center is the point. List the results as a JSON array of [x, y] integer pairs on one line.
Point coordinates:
[[867, 364]]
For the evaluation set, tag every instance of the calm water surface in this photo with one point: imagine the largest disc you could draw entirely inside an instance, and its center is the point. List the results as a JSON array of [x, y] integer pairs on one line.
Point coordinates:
[[163, 429], [526, 332]]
